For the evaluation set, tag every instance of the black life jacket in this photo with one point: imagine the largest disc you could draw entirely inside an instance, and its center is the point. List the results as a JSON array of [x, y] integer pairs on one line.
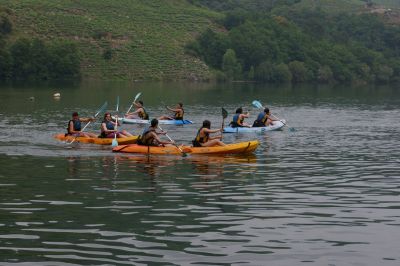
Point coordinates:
[[236, 122], [109, 126], [261, 119], [147, 139], [198, 140], [143, 115], [178, 116], [77, 125]]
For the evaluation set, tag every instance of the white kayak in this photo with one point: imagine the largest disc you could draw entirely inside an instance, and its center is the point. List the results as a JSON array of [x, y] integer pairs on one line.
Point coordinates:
[[161, 122], [276, 126]]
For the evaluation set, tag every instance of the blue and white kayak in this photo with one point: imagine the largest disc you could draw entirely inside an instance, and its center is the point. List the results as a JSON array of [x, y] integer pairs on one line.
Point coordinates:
[[276, 126], [161, 122]]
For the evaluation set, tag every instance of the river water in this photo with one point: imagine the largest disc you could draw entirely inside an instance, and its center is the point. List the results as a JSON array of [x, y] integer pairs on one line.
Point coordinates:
[[326, 193]]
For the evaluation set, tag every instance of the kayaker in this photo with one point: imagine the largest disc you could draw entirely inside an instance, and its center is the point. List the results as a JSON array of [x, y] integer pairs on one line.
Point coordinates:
[[178, 113], [238, 118], [108, 128], [150, 137], [74, 126], [264, 119], [139, 113], [203, 138]]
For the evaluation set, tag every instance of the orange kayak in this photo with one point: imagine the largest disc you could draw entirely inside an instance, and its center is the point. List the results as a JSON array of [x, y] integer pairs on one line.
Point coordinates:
[[241, 147], [100, 141]]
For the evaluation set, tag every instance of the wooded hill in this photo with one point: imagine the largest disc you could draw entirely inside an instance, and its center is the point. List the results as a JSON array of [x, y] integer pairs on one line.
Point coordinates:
[[139, 39]]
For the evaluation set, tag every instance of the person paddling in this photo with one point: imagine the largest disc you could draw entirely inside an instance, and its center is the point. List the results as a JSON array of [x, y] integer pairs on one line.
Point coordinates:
[[178, 113], [74, 126], [140, 112], [238, 118], [150, 137], [264, 119], [203, 138], [108, 128]]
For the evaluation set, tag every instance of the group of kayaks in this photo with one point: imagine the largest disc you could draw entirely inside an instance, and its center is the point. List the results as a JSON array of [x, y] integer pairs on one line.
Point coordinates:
[[128, 144]]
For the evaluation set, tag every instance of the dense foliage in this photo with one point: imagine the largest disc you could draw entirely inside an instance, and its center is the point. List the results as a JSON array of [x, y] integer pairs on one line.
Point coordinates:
[[302, 46], [32, 59]]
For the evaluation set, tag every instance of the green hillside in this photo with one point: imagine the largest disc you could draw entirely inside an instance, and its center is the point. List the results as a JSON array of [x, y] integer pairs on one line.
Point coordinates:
[[122, 39]]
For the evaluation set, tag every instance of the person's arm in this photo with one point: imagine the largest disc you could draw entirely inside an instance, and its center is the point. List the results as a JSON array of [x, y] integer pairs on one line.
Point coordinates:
[[206, 130], [86, 119], [161, 141], [172, 110], [246, 115]]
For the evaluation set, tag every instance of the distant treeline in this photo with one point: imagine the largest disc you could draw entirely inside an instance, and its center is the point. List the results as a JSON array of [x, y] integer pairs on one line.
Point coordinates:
[[33, 59], [302, 46]]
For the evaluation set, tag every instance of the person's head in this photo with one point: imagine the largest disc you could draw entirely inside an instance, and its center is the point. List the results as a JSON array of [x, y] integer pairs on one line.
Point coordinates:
[[266, 110], [207, 124], [140, 102], [107, 116], [180, 105], [154, 122], [75, 115], [239, 110]]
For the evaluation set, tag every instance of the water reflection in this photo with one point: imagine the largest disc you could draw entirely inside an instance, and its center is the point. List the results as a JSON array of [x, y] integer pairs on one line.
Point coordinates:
[[325, 194]]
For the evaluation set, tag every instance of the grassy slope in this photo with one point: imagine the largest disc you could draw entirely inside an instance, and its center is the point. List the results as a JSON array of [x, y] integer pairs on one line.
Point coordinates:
[[332, 6], [147, 37], [388, 3]]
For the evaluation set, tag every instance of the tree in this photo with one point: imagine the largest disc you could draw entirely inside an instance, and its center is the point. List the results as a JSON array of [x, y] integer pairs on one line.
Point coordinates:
[[298, 70], [230, 66]]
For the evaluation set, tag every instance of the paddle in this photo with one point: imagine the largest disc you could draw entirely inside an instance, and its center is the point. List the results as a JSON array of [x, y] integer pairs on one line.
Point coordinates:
[[134, 100], [114, 142], [183, 153], [101, 109], [224, 115], [257, 104]]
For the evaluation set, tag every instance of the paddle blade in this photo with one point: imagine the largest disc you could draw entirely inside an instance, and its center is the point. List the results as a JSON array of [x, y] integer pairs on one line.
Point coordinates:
[[101, 109], [224, 113], [116, 109], [114, 143], [137, 96], [257, 104]]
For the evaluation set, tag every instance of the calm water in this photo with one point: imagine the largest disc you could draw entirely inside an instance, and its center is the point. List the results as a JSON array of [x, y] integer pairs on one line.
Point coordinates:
[[325, 194]]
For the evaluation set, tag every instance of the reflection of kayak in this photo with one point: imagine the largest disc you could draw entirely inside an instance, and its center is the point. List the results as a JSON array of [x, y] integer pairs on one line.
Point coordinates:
[[100, 141], [242, 147], [276, 126], [161, 122]]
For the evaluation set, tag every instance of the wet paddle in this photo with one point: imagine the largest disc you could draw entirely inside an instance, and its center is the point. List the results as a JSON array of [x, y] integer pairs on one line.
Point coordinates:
[[101, 109], [257, 104], [114, 142], [224, 115], [134, 100], [183, 153]]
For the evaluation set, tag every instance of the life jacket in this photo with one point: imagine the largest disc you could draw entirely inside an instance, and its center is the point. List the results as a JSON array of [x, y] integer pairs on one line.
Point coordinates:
[[109, 126], [198, 140], [236, 122], [143, 115], [178, 116], [261, 119], [77, 125], [145, 138]]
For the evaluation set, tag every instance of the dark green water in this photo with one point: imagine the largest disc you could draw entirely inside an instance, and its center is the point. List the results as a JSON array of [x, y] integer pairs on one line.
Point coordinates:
[[325, 194]]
